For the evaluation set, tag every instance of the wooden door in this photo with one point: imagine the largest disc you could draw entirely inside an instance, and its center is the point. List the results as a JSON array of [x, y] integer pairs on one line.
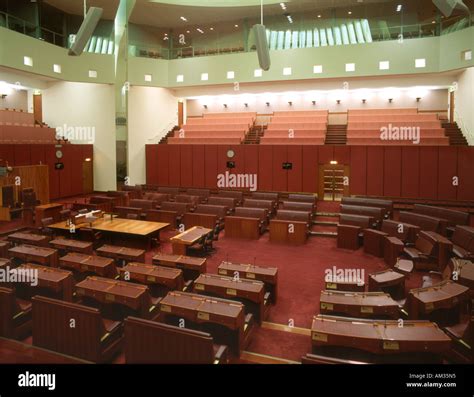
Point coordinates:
[[333, 182], [38, 108], [87, 177], [180, 114]]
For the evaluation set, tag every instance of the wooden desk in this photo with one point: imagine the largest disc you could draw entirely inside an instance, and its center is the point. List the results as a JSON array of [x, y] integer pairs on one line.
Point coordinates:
[[444, 246], [29, 238], [445, 295], [192, 267], [268, 275], [106, 291], [122, 255], [171, 279], [30, 253], [388, 281], [4, 262], [83, 263], [68, 245], [280, 232], [355, 286], [250, 293], [58, 281], [4, 246], [461, 271], [183, 240], [359, 304], [382, 337], [242, 227], [51, 210], [201, 309]]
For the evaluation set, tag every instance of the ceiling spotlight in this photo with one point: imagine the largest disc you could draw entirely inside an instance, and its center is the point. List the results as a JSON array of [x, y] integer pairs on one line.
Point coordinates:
[[200, 30], [290, 103], [188, 31], [211, 28], [205, 106], [350, 12], [283, 6], [333, 162], [390, 100], [319, 16], [236, 25], [246, 105], [267, 103], [225, 105], [183, 19], [418, 99], [313, 102], [364, 100], [399, 7], [338, 101]]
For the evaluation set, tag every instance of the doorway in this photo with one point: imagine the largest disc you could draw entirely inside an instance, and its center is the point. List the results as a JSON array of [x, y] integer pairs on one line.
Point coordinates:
[[180, 114], [87, 177], [333, 182], [38, 108]]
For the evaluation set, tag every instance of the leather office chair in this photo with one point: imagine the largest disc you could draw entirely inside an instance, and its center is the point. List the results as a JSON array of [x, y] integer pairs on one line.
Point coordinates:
[[44, 226]]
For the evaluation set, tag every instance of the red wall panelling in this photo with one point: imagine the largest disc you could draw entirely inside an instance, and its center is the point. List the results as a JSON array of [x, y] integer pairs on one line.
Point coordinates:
[[22, 154], [198, 166], [280, 176], [342, 154], [37, 154], [295, 175], [375, 170], [326, 154], [410, 172], [358, 177], [163, 164], [186, 165], [428, 172], [392, 171], [174, 168], [265, 167], [210, 165], [466, 173], [310, 172], [151, 153], [448, 168]]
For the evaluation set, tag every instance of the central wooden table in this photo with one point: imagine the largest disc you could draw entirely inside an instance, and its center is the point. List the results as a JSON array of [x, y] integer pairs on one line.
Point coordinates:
[[60, 282], [117, 226], [83, 263], [359, 304], [30, 253], [188, 238]]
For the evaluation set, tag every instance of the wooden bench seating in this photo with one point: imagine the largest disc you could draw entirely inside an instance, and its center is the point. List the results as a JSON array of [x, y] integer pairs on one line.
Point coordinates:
[[304, 198], [269, 205], [299, 206], [15, 315], [210, 221], [133, 191], [288, 232], [158, 198], [202, 193], [246, 223], [463, 242], [349, 230], [425, 222], [220, 210], [406, 232], [123, 212], [229, 202], [193, 201], [452, 216], [92, 338], [374, 212], [172, 191], [149, 342], [122, 197], [290, 215], [370, 202], [274, 196], [431, 251], [238, 195]]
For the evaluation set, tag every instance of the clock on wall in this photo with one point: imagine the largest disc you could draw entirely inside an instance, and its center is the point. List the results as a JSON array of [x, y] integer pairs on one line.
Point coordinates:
[[230, 153], [59, 154]]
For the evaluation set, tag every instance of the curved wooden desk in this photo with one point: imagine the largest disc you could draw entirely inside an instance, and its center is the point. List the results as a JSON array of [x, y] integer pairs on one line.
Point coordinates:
[[359, 304], [379, 337]]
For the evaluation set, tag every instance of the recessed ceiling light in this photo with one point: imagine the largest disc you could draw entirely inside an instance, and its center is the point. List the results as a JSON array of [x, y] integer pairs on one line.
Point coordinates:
[[27, 61], [93, 74], [188, 31], [433, 21], [179, 78], [236, 25], [319, 16], [204, 76], [200, 30], [399, 7], [420, 63], [257, 73], [148, 77], [230, 75], [211, 28], [283, 6], [384, 65], [350, 12], [287, 71], [56, 68], [317, 69], [350, 67], [183, 19]]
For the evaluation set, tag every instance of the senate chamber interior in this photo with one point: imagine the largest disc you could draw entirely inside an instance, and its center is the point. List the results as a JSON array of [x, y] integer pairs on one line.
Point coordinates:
[[236, 182]]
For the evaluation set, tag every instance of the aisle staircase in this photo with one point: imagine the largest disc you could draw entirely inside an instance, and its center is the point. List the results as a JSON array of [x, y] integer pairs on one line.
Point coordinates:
[[455, 135], [336, 134]]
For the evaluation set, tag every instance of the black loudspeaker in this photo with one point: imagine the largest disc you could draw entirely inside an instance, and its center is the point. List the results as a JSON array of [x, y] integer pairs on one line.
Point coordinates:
[[447, 6], [86, 30], [287, 166], [231, 164], [262, 46]]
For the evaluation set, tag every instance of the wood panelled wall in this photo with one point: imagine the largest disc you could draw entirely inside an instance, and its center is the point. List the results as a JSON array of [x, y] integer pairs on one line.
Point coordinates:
[[62, 183], [34, 176], [408, 171]]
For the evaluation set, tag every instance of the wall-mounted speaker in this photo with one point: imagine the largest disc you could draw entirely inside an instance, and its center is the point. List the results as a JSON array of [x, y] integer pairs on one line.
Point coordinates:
[[86, 30], [231, 164], [262, 46]]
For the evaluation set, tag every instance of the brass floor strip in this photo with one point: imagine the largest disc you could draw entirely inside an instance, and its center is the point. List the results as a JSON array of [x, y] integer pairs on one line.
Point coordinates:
[[286, 328], [264, 359]]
